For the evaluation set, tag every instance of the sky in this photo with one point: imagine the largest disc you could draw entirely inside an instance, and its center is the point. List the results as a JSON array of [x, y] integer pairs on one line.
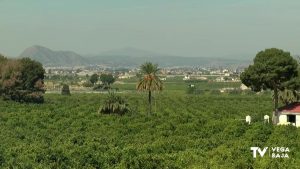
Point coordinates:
[[192, 28]]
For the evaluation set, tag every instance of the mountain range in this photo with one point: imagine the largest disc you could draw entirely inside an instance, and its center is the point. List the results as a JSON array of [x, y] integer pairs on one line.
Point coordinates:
[[126, 57]]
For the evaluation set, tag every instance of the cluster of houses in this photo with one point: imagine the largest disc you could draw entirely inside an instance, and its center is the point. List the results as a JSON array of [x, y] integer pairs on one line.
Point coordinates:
[[80, 74], [198, 73], [217, 75]]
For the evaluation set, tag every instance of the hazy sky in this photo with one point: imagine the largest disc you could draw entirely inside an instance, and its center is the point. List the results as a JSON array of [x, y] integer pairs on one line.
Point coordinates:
[[211, 28]]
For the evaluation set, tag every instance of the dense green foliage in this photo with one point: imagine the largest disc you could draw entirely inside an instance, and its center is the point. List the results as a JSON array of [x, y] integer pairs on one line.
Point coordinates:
[[65, 90], [21, 80], [272, 69], [94, 78], [186, 131], [202, 129], [88, 84], [107, 79], [114, 104]]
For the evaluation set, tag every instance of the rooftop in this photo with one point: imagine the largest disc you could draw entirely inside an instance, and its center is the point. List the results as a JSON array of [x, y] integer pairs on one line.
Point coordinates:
[[291, 108]]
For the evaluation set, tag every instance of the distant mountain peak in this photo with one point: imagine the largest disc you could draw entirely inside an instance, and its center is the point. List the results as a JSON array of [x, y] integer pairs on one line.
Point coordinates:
[[37, 46], [124, 57], [49, 57]]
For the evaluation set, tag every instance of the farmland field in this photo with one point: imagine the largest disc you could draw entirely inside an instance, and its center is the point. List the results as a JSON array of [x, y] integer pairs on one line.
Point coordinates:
[[169, 84], [182, 85], [185, 131]]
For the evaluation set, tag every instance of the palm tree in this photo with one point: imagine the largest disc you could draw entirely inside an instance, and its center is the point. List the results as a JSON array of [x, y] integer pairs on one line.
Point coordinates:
[[149, 80], [114, 104], [287, 96]]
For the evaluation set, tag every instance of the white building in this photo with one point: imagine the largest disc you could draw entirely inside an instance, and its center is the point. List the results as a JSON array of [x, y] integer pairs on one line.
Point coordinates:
[[220, 79], [225, 71], [126, 76], [187, 77], [201, 78], [290, 115]]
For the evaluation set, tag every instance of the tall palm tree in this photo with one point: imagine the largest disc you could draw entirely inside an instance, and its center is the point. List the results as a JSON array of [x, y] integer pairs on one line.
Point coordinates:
[[149, 81]]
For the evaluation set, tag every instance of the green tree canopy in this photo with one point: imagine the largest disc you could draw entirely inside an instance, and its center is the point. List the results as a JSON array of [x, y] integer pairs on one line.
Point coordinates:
[[107, 79], [94, 78], [32, 75], [2, 58], [272, 69], [65, 90], [22, 80]]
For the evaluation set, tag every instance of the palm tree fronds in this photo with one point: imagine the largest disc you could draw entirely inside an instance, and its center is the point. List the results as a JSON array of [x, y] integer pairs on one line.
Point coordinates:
[[149, 81]]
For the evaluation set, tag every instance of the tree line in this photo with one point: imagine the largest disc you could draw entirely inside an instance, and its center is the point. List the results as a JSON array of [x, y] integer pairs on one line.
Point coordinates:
[[272, 69]]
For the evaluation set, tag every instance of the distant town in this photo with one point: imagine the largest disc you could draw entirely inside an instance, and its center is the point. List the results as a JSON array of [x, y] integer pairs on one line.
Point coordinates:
[[77, 76]]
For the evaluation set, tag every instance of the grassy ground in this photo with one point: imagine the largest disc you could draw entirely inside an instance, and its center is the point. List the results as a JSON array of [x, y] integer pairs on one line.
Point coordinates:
[[185, 131]]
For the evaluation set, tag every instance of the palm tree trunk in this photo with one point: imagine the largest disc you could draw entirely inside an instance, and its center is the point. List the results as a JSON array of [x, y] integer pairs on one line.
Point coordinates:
[[149, 99]]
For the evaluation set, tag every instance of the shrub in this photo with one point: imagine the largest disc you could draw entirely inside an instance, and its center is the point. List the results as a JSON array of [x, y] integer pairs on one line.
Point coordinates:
[[94, 78], [34, 97], [2, 159], [65, 90], [22, 80], [98, 87], [235, 91], [248, 92], [191, 90], [107, 79], [87, 84], [199, 91], [24, 96], [114, 104], [215, 92]]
